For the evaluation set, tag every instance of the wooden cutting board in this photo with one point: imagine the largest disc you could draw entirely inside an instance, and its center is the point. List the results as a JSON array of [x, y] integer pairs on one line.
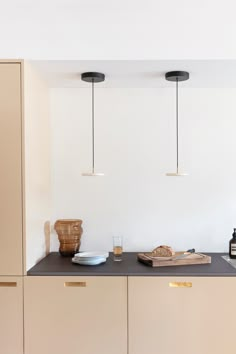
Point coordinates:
[[193, 258]]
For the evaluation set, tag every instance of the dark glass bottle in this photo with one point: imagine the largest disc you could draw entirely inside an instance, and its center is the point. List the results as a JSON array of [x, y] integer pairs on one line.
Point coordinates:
[[232, 245]]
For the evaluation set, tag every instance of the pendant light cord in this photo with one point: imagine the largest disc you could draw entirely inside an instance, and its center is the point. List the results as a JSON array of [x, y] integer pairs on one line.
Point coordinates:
[[177, 124], [93, 124]]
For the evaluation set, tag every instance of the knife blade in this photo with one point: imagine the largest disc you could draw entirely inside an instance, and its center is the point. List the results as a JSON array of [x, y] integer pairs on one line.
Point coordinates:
[[184, 255]]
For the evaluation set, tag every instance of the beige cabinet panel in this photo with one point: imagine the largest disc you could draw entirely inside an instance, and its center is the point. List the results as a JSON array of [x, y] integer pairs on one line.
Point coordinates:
[[11, 319], [181, 315], [76, 315], [11, 175]]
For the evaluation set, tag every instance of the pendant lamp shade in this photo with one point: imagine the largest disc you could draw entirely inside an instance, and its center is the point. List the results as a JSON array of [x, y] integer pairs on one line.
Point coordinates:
[[177, 76], [93, 77]]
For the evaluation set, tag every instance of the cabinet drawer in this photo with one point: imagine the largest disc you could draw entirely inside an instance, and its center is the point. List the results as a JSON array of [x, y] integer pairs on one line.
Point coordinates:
[[181, 315], [11, 319], [75, 314]]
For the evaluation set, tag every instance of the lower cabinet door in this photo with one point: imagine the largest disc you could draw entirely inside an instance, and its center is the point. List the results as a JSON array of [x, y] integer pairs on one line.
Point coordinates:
[[73, 315], [181, 315], [11, 315]]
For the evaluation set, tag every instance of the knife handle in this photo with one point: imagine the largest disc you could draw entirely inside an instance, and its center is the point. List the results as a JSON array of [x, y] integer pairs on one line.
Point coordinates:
[[192, 250]]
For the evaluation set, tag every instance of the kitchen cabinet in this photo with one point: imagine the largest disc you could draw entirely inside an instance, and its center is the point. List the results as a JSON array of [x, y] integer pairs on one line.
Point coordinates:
[[11, 170], [75, 315], [24, 189], [181, 315], [11, 319]]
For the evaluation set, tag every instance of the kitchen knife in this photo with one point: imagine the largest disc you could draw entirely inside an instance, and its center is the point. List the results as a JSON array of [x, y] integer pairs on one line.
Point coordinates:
[[184, 255]]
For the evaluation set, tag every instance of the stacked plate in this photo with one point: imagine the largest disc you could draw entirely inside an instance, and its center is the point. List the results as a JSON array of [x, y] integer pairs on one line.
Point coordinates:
[[90, 258]]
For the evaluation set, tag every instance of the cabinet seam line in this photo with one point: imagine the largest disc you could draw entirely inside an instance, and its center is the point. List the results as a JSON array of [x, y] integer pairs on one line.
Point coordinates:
[[127, 315]]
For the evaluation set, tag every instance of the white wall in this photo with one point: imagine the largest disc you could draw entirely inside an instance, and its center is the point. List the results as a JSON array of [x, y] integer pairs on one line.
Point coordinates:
[[37, 167], [135, 147]]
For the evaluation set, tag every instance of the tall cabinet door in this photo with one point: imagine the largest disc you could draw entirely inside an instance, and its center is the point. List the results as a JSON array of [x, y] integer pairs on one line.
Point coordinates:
[[75, 315], [11, 175], [11, 319], [181, 315]]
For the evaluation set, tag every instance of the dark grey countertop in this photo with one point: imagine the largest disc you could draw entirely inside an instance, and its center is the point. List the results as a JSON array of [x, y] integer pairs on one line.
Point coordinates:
[[56, 265]]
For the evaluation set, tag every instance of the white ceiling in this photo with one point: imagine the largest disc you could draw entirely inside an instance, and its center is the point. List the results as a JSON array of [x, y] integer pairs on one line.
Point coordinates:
[[118, 29], [139, 73]]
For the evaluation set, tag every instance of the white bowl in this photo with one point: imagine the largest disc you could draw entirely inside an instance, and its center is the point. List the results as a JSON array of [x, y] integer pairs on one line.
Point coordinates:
[[90, 255], [95, 261]]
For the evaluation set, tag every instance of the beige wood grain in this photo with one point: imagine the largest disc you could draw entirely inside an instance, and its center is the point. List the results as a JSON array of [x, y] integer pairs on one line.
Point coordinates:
[[194, 258], [11, 319], [65, 319], [11, 172], [11, 61], [181, 320]]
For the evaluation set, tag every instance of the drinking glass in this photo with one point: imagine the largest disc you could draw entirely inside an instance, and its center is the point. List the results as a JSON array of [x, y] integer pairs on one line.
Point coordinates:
[[117, 248]]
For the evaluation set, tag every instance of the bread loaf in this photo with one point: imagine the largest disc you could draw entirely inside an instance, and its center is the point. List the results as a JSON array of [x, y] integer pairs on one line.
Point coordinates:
[[163, 251]]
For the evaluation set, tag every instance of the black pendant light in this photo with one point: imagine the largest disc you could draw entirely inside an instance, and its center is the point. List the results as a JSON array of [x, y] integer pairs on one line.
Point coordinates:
[[177, 76], [93, 77]]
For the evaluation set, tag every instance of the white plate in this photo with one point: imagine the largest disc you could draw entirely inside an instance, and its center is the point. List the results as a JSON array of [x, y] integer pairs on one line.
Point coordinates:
[[91, 255], [89, 262]]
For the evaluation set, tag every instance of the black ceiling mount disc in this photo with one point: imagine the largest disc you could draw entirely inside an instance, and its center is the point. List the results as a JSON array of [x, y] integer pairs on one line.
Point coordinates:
[[92, 77], [177, 76]]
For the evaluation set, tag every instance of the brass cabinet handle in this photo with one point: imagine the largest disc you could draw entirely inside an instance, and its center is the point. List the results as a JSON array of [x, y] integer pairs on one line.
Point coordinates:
[[8, 284], [78, 284], [180, 284]]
